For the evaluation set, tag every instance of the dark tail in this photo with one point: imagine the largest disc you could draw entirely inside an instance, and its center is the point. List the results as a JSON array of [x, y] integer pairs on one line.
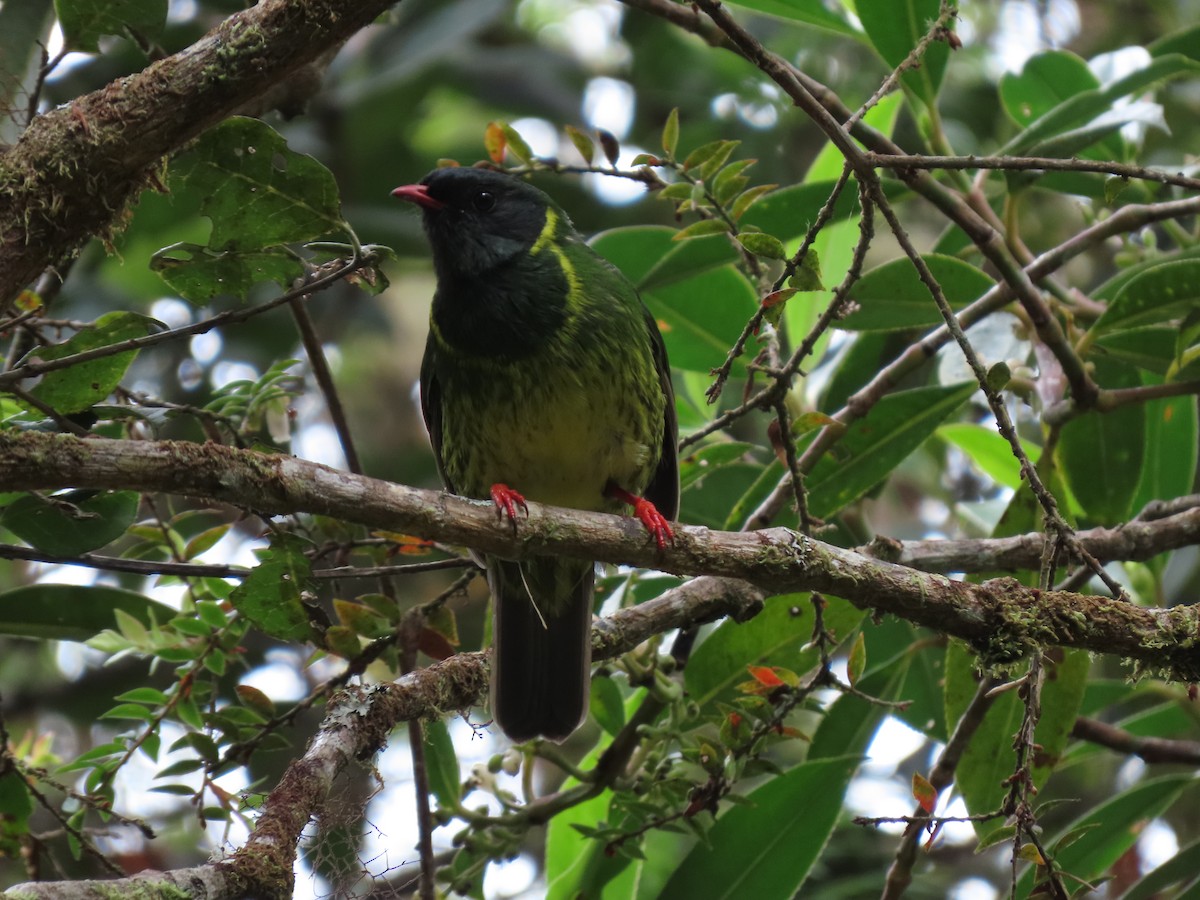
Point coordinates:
[[541, 655]]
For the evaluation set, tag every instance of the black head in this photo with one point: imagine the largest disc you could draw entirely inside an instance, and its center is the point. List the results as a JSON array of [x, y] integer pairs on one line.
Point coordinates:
[[477, 219]]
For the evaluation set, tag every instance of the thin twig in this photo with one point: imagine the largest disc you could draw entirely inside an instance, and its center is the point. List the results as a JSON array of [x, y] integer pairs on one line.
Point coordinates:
[[45, 409], [332, 272], [151, 568], [1033, 164], [899, 874], [324, 376]]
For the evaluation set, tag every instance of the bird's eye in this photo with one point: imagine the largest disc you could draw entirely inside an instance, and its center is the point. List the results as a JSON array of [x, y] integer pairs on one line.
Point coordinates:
[[483, 201]]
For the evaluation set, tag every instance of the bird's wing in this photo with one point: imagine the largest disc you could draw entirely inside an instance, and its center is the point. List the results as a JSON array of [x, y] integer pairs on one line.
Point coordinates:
[[431, 410], [663, 490]]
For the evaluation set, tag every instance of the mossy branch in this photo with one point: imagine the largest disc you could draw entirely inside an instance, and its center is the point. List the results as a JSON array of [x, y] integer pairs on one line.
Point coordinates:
[[1002, 619], [76, 169]]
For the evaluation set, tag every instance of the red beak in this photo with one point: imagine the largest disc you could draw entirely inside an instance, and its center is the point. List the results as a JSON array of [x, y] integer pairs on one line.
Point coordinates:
[[418, 194]]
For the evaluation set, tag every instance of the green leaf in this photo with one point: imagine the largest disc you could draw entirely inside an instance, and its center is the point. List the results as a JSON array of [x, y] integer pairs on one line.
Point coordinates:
[[1082, 108], [703, 228], [701, 318], [651, 260], [670, 135], [856, 663], [765, 849], [206, 540], [809, 12], [583, 143], [441, 763], [773, 637], [1101, 454], [895, 27], [76, 388], [517, 145], [257, 192], [895, 427], [988, 449], [1110, 288], [1181, 870], [573, 861], [807, 276], [748, 199], [132, 711], [1117, 824], [68, 612], [763, 245], [1170, 455], [150, 695], [706, 154], [1046, 80], [270, 595], [788, 212], [1150, 348], [84, 21], [1185, 41], [892, 297], [700, 302], [198, 274], [730, 182], [16, 805], [607, 705], [708, 459], [1165, 291], [71, 523]]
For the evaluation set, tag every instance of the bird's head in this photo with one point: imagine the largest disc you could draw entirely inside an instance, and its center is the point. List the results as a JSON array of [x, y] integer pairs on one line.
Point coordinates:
[[477, 219]]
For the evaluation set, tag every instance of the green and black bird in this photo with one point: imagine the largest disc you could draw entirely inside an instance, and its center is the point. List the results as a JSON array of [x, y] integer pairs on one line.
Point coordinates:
[[546, 378]]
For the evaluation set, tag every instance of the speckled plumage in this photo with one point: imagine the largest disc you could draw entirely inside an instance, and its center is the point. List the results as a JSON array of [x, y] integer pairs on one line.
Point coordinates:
[[544, 372]]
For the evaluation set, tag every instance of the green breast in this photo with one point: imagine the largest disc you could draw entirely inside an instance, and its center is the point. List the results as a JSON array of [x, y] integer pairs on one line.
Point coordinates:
[[556, 426]]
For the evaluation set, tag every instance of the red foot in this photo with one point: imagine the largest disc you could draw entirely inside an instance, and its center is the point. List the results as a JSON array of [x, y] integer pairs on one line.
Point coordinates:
[[656, 523], [507, 500]]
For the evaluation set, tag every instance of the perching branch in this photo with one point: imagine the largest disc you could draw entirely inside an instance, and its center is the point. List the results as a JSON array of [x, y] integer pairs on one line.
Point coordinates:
[[1001, 619]]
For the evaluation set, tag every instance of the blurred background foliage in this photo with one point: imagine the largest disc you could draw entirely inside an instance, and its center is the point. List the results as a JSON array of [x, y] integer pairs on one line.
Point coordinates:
[[421, 85]]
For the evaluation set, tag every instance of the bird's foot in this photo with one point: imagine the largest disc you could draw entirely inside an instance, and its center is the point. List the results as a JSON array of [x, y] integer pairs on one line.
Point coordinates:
[[656, 523], [507, 500]]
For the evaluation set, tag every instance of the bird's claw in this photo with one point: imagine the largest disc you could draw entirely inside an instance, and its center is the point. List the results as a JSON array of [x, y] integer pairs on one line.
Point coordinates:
[[656, 523], [507, 500]]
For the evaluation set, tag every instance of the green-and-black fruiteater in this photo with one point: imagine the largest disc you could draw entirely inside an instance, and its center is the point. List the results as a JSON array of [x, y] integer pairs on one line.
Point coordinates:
[[544, 378]]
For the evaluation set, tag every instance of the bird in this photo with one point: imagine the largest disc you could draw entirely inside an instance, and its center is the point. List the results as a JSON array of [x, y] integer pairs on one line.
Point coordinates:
[[545, 378]]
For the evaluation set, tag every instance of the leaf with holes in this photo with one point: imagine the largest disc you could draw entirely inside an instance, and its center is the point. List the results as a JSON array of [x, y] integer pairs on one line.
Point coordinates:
[[78, 387], [198, 274], [270, 595], [83, 22], [257, 192]]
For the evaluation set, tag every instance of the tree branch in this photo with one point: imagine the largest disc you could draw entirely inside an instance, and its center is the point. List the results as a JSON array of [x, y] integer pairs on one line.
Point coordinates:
[[76, 168], [1001, 619]]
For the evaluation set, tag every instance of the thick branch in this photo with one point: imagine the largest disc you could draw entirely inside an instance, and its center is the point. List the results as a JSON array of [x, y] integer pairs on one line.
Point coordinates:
[[1001, 618], [77, 167]]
